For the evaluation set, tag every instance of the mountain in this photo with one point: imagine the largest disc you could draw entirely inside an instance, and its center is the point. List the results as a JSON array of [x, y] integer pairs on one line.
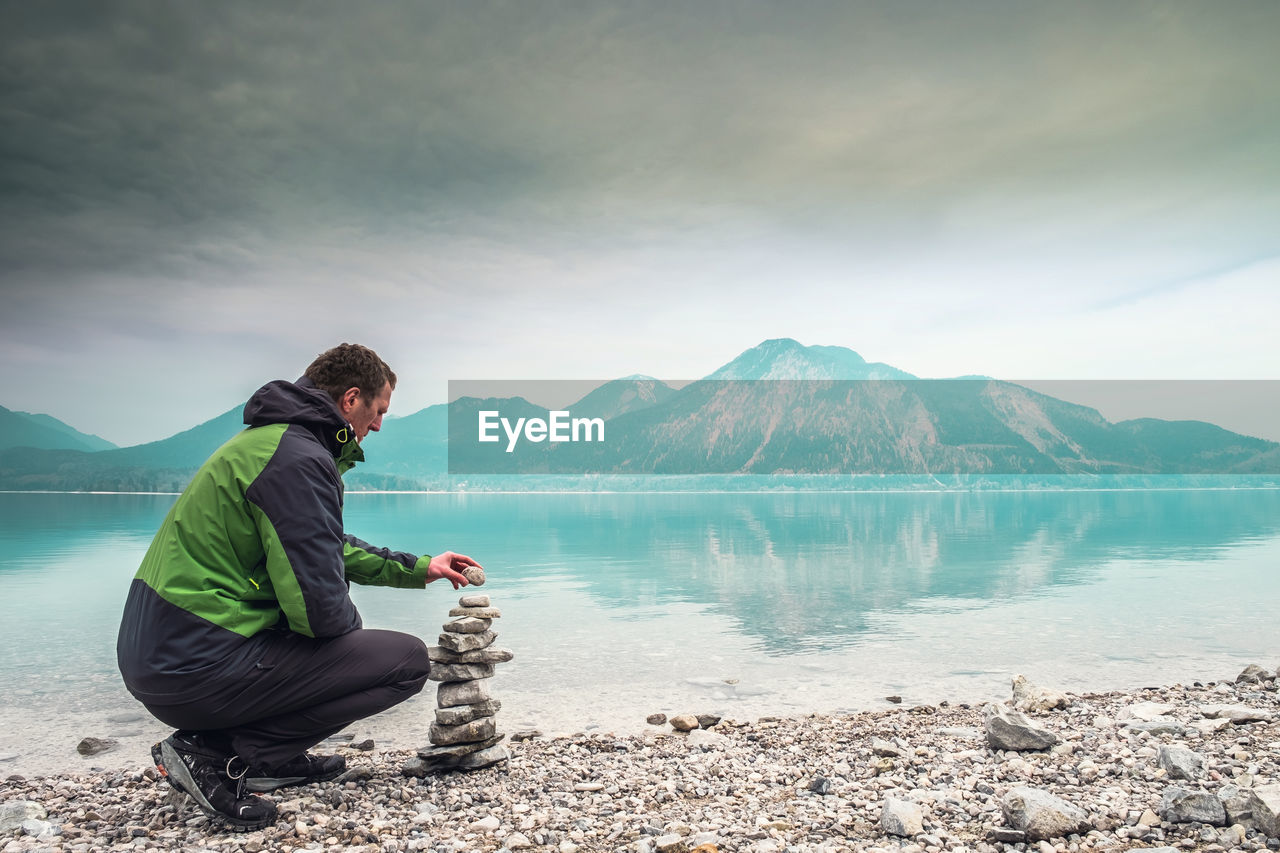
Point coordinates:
[[187, 449], [778, 409], [784, 358], [22, 429], [164, 465], [785, 409], [629, 394]]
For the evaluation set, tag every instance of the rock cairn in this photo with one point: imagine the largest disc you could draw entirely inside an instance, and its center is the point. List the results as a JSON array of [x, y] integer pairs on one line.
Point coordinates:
[[464, 735]]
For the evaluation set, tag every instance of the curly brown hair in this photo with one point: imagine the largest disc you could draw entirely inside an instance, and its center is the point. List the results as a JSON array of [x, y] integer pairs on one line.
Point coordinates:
[[350, 366]]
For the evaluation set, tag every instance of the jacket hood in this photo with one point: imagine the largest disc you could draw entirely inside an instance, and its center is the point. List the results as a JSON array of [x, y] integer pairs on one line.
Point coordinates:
[[301, 403]]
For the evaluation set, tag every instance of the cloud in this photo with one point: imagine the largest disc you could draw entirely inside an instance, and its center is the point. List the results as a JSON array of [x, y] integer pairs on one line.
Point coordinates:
[[606, 188]]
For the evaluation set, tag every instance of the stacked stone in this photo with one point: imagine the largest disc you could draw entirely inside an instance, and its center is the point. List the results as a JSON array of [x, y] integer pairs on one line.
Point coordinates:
[[464, 735]]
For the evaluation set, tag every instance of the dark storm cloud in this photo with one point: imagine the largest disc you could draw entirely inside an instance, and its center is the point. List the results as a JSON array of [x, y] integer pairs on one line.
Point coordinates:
[[171, 137]]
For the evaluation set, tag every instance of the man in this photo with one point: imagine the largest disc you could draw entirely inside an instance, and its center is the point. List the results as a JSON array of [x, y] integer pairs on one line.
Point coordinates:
[[239, 630]]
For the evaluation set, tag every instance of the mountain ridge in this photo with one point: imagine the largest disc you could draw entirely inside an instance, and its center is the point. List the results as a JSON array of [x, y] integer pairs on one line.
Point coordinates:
[[779, 408]]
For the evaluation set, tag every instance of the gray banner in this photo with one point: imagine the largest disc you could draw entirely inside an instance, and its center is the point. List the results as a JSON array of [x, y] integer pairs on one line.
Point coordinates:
[[915, 427]]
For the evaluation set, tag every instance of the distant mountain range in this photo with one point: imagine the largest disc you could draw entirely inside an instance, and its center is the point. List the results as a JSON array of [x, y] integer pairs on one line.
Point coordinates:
[[22, 429], [778, 409]]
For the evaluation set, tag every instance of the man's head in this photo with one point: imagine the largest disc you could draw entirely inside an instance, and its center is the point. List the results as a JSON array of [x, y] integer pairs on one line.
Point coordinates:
[[359, 382]]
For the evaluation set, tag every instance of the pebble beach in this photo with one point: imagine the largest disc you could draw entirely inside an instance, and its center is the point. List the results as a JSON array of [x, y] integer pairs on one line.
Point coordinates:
[[1178, 767]]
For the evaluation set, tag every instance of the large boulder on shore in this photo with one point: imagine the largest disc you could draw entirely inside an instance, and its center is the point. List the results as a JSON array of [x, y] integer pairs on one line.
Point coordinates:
[[1041, 815], [1009, 729]]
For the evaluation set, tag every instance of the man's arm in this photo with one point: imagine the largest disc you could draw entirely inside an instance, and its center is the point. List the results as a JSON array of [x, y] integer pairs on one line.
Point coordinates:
[[371, 566], [380, 567]]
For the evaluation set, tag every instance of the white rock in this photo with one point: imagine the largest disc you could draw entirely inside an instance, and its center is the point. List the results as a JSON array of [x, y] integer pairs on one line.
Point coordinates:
[[901, 818], [706, 739], [669, 843], [1146, 711], [517, 841], [1036, 699], [486, 824], [1237, 714]]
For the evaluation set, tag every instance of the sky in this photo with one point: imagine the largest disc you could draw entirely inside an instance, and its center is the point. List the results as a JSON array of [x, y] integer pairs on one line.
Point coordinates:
[[198, 198]]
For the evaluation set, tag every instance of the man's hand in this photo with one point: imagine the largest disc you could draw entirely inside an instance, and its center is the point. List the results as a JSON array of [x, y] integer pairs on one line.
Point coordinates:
[[449, 566]]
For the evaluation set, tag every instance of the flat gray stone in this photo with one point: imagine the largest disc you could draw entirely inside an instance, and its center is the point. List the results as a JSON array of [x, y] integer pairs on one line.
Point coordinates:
[[489, 654], [1158, 726], [484, 758], [1178, 805], [1041, 815], [476, 730], [460, 714], [461, 693], [460, 671], [457, 642], [475, 600], [1011, 730], [467, 625], [1237, 714], [435, 754], [1264, 803], [477, 612]]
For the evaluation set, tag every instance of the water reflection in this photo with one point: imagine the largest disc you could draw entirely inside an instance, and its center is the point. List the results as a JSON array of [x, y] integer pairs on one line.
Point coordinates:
[[812, 572]]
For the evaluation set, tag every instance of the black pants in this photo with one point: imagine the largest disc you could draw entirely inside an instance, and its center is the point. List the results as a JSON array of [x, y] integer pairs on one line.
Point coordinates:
[[302, 690]]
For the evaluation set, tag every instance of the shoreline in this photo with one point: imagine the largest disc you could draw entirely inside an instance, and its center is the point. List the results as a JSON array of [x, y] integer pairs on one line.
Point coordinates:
[[768, 784]]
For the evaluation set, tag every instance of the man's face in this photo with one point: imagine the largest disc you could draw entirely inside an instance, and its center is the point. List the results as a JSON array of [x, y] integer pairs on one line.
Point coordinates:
[[364, 414]]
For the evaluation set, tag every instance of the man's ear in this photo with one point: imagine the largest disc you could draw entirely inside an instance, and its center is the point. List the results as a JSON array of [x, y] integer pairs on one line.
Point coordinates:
[[349, 399]]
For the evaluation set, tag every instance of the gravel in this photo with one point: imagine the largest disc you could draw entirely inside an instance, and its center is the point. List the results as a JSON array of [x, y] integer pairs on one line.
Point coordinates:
[[809, 783]]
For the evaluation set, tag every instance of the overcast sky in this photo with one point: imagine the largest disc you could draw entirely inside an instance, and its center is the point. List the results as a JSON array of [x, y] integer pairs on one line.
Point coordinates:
[[198, 198]]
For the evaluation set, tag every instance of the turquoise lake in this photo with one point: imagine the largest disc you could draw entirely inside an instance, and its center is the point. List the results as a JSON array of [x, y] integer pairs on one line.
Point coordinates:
[[621, 605]]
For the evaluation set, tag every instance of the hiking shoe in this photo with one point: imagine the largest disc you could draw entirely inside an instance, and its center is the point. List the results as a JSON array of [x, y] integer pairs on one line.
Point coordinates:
[[200, 773], [303, 770]]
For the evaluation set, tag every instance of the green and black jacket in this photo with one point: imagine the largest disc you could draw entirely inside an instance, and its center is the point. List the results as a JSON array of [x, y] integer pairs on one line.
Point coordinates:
[[254, 544]]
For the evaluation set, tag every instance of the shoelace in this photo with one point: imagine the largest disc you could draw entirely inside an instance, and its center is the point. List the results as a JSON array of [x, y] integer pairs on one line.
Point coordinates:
[[238, 779]]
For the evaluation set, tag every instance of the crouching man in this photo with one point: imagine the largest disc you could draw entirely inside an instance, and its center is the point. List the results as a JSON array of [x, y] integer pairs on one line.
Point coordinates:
[[239, 630]]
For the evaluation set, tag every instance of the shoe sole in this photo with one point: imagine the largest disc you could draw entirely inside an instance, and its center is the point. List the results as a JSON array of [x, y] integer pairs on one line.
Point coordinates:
[[262, 784], [173, 768]]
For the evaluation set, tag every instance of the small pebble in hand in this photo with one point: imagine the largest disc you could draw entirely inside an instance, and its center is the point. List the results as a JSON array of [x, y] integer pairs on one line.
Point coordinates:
[[474, 575]]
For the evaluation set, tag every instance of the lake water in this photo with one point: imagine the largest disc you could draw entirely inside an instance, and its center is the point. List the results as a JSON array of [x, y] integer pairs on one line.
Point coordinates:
[[621, 605]]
